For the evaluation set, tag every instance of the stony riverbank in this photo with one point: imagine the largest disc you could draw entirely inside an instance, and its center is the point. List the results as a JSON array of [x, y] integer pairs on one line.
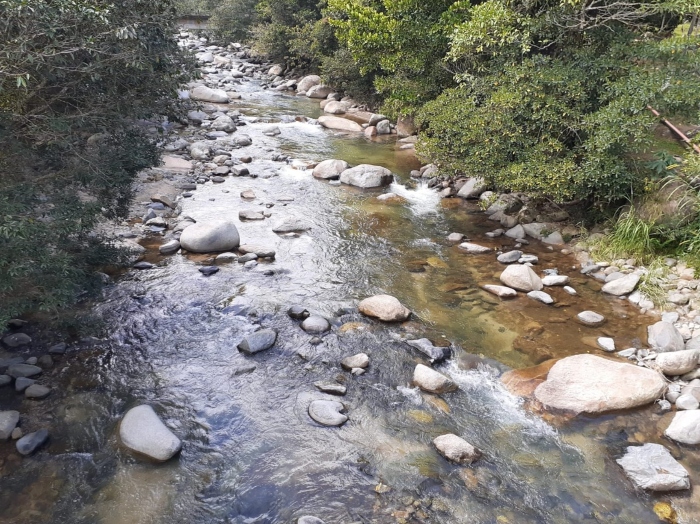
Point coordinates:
[[170, 222]]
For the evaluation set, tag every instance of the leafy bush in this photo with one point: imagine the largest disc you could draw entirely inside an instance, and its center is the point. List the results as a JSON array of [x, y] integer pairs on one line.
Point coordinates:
[[77, 76]]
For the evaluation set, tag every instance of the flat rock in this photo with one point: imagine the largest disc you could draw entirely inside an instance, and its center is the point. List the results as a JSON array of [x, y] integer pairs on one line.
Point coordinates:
[[591, 384], [474, 249], [664, 337], [258, 341], [432, 381], [8, 422], [249, 214], [500, 291], [685, 427], [510, 257], [260, 251], [590, 318], [16, 340], [434, 353], [652, 467], [521, 278], [23, 370], [315, 324], [541, 296], [142, 431], [359, 361], [367, 176], [37, 392], [677, 362], [29, 443], [622, 286], [330, 169], [456, 449], [332, 388], [555, 280], [289, 224], [206, 94], [210, 237], [339, 124], [385, 308], [328, 412]]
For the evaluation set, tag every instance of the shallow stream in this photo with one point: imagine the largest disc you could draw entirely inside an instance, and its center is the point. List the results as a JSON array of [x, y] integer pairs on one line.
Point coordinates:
[[251, 453]]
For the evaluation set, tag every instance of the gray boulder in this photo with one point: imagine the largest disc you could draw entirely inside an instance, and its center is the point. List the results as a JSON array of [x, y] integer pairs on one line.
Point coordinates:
[[472, 189], [307, 83], [431, 381], [339, 124], [223, 123], [361, 361], [367, 176], [16, 340], [385, 308], [37, 392], [510, 257], [685, 427], [23, 370], [652, 467], [590, 318], [290, 224], [258, 341], [622, 286], [169, 247], [330, 169], [315, 324], [319, 91], [206, 94], [199, 150], [456, 449], [143, 432], [210, 237], [521, 278], [677, 362], [383, 127], [664, 337]]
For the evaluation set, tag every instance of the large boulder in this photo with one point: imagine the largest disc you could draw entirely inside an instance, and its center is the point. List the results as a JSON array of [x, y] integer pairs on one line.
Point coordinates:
[[339, 124], [622, 286], [330, 169], [591, 384], [200, 150], [677, 362], [335, 108], [307, 83], [207, 94], [384, 307], [223, 123], [431, 381], [664, 337], [319, 91], [521, 278], [652, 467], [473, 188], [142, 431], [210, 237], [685, 427], [366, 176]]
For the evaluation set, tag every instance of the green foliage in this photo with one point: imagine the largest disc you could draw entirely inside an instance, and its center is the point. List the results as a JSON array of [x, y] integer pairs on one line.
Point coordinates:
[[233, 20], [341, 72], [77, 76]]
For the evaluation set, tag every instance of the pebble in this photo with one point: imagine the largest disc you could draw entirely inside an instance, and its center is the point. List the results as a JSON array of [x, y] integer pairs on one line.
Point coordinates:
[[143, 265], [315, 324], [247, 258], [606, 344], [541, 296], [570, 290], [590, 318], [555, 280], [208, 270], [250, 264], [17, 433]]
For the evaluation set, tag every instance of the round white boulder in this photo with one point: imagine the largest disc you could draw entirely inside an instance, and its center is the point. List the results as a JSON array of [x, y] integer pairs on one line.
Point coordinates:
[[143, 432], [210, 237]]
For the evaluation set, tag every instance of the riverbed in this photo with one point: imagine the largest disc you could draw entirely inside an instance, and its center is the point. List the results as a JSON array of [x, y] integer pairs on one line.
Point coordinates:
[[251, 453]]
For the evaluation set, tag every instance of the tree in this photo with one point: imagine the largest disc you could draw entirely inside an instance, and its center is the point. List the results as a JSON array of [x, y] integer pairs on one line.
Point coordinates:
[[77, 77]]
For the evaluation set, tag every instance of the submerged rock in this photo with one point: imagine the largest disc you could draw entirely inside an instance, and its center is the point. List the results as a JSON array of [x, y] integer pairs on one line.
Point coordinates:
[[23, 370], [590, 318], [474, 249], [592, 384], [652, 467], [435, 353], [328, 412], [431, 381], [385, 308], [142, 431], [456, 449], [500, 291], [541, 296]]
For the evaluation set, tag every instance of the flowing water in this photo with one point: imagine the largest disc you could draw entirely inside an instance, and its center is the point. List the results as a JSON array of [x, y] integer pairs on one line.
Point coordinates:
[[251, 453]]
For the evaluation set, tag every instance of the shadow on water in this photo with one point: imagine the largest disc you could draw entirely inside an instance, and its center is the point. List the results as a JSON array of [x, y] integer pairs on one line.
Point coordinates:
[[251, 453]]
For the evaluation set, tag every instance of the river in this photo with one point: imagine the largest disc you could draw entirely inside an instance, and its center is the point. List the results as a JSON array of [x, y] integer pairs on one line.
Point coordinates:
[[251, 454]]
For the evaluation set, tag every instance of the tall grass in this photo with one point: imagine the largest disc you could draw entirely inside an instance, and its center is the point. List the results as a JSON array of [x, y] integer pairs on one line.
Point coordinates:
[[631, 237]]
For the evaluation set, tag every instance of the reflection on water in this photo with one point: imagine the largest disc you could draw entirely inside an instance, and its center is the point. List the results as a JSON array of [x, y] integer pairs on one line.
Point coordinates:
[[251, 453]]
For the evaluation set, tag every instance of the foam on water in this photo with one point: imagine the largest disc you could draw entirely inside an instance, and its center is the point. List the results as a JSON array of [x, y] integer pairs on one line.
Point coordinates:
[[423, 200]]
